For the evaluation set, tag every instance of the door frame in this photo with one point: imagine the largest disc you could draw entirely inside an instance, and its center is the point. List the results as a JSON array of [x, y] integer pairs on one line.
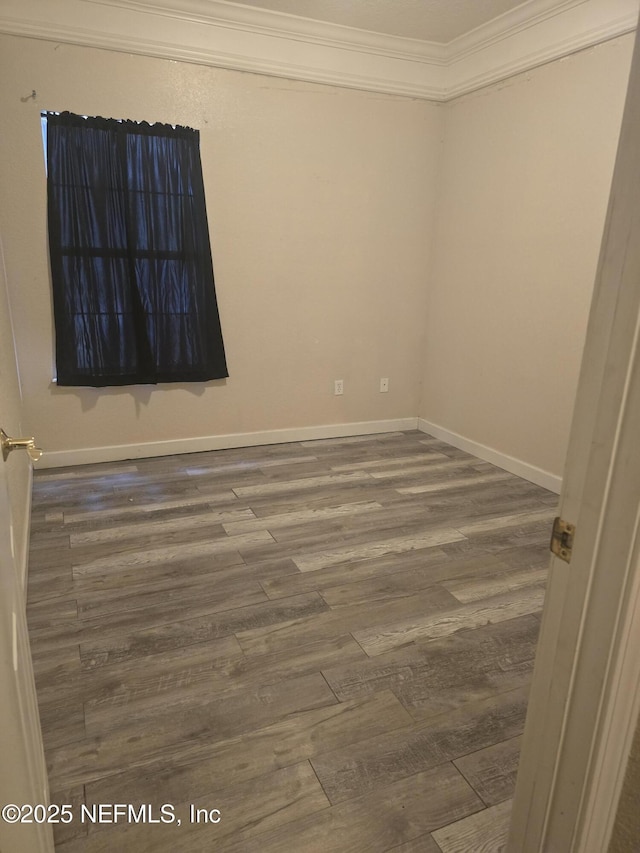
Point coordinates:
[[585, 695]]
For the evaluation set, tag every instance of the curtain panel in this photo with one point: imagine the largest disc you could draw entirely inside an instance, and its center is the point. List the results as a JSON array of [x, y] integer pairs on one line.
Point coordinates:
[[133, 288]]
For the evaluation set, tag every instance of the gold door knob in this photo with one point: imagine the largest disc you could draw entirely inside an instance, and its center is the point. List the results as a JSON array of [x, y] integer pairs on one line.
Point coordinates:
[[28, 444]]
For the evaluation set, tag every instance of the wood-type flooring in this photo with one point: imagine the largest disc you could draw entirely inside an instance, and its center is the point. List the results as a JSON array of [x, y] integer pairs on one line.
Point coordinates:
[[320, 647]]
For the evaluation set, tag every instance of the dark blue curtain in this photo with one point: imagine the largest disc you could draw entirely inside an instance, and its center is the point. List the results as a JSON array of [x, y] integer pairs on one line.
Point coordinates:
[[133, 290]]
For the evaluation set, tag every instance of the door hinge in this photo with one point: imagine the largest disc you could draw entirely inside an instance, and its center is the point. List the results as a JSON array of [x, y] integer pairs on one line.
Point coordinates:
[[562, 539]]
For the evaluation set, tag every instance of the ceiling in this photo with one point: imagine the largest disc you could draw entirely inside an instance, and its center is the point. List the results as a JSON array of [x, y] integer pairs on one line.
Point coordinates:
[[427, 20]]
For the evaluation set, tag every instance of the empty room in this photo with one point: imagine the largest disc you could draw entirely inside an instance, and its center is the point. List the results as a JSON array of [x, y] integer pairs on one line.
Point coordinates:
[[301, 369]]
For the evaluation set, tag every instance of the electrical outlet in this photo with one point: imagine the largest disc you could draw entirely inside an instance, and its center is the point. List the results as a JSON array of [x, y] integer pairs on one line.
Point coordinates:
[[338, 387], [384, 386]]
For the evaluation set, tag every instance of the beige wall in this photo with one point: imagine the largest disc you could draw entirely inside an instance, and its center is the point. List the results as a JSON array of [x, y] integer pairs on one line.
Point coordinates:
[[320, 201], [523, 195], [322, 204]]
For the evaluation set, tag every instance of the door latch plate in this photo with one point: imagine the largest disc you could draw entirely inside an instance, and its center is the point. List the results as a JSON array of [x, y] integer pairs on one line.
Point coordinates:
[[562, 539]]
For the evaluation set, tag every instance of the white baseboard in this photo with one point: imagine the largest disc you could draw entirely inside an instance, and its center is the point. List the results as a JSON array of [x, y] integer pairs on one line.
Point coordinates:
[[502, 460], [119, 452]]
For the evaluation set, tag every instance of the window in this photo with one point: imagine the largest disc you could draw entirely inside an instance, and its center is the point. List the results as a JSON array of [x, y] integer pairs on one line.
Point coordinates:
[[133, 290]]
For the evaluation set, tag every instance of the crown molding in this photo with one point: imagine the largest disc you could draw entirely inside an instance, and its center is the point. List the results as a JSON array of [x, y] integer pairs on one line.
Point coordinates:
[[503, 48], [529, 14], [225, 13], [229, 35]]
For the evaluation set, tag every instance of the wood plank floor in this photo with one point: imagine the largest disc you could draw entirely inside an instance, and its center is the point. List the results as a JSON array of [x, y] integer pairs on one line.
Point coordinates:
[[330, 642]]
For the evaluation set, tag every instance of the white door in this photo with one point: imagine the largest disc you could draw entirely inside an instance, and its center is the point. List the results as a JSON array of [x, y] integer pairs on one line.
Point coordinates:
[[23, 778], [586, 687]]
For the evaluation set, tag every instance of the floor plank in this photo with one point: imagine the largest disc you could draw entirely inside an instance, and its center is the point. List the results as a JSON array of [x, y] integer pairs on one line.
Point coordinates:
[[299, 737], [492, 771], [357, 617], [495, 609], [367, 765], [423, 844], [438, 677], [403, 811], [247, 809], [485, 832]]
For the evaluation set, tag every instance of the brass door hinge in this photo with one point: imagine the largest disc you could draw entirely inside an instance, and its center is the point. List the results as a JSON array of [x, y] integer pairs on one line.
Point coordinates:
[[562, 539]]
